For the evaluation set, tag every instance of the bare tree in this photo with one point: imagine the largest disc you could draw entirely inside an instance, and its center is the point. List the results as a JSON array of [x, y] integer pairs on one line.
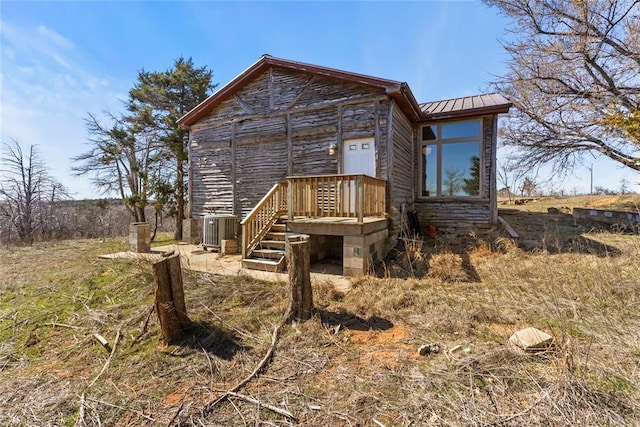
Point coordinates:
[[528, 186], [27, 192], [574, 76], [509, 176], [123, 161]]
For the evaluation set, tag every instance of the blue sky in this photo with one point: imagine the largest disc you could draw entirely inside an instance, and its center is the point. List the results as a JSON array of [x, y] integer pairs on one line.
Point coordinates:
[[62, 60]]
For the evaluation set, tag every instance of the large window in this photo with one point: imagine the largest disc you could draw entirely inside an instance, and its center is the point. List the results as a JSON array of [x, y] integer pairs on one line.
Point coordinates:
[[451, 159]]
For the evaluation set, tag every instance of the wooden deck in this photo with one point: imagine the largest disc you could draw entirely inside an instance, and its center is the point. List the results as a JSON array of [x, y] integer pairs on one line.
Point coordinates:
[[336, 226]]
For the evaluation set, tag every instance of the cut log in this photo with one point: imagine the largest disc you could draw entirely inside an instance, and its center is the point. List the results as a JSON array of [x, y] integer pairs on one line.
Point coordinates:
[[298, 260], [169, 305]]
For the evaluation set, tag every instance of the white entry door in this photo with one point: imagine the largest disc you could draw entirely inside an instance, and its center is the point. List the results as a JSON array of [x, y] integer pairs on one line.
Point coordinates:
[[359, 156]]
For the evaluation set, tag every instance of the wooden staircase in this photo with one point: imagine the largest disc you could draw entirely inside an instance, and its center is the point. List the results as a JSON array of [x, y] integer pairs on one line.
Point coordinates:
[[269, 253]]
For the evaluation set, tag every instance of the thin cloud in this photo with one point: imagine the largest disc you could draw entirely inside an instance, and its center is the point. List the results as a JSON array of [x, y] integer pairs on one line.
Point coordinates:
[[55, 37]]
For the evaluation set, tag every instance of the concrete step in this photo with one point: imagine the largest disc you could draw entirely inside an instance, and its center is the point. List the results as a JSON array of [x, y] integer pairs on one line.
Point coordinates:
[[271, 265], [271, 244], [268, 253], [275, 235]]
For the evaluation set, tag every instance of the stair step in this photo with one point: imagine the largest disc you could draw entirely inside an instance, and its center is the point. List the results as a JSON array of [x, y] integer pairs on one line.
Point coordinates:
[[268, 253], [263, 264], [275, 235], [271, 244], [280, 228]]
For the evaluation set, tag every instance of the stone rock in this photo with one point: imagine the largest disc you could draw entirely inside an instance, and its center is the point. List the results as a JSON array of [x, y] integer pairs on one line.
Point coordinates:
[[531, 339]]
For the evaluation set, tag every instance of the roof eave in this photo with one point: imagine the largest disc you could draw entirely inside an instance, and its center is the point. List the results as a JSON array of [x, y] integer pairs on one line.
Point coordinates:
[[406, 101], [471, 112]]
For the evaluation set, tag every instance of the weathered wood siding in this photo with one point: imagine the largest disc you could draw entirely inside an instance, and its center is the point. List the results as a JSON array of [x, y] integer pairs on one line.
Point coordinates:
[[400, 168], [280, 124], [459, 214]]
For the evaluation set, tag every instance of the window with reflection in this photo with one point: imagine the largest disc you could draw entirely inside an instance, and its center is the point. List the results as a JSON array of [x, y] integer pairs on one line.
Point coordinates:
[[451, 159]]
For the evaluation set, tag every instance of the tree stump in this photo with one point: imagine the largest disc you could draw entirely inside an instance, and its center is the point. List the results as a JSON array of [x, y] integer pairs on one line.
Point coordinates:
[[169, 304], [298, 261]]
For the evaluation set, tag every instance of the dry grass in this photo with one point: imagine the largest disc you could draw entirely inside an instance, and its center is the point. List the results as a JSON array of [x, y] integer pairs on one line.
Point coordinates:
[[354, 363]]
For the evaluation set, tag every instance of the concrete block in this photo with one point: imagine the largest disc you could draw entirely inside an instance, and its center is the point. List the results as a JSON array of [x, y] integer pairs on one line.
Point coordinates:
[[140, 237], [229, 247]]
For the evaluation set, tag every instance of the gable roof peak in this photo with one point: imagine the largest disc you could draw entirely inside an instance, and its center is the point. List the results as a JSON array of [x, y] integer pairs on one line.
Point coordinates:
[[398, 90]]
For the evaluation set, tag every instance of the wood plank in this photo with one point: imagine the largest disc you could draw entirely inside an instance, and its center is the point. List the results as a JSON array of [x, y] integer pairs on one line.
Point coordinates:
[[271, 95], [512, 233], [246, 107], [289, 147], [234, 200], [376, 135], [302, 92]]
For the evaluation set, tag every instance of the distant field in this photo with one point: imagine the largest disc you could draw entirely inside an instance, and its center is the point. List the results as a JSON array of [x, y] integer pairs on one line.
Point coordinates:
[[627, 202], [356, 362]]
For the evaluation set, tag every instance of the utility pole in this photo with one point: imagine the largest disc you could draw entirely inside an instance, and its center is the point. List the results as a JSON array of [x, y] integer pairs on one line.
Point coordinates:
[[591, 181]]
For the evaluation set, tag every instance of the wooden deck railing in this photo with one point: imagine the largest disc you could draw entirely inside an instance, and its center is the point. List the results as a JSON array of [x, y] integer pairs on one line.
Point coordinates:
[[350, 195], [262, 217]]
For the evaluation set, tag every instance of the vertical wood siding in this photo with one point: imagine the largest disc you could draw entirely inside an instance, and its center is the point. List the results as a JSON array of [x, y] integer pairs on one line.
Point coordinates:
[[401, 191], [282, 122]]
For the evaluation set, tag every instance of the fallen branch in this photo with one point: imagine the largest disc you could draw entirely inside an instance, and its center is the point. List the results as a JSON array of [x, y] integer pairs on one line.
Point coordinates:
[[141, 414], [263, 363], [272, 408], [80, 421], [259, 367], [64, 325], [106, 364], [146, 324]]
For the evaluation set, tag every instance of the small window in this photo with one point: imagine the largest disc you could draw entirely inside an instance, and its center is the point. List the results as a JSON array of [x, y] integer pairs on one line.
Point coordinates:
[[353, 147], [365, 146]]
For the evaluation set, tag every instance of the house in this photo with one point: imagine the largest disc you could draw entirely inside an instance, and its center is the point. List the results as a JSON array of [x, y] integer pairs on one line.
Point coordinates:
[[294, 147]]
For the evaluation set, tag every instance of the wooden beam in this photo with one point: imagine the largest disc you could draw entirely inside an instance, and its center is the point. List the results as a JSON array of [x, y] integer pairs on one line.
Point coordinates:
[[389, 176], [246, 107], [376, 135], [280, 113], [289, 147], [339, 139], [493, 190], [271, 90], [302, 92], [512, 233], [233, 143]]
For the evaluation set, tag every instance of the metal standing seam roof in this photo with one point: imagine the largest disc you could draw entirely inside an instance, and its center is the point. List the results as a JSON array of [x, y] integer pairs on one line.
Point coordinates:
[[467, 105]]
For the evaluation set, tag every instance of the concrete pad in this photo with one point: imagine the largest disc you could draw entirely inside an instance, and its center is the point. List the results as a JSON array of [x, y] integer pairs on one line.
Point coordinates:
[[195, 258]]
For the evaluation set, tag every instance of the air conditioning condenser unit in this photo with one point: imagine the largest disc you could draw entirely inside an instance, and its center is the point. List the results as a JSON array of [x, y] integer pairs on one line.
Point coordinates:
[[218, 228]]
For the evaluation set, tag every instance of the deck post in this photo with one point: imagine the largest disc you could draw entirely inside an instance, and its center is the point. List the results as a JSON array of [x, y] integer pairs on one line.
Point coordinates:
[[290, 200], [360, 197]]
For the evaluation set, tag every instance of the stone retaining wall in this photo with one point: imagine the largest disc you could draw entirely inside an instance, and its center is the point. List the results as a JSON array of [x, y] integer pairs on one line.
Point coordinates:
[[626, 219]]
